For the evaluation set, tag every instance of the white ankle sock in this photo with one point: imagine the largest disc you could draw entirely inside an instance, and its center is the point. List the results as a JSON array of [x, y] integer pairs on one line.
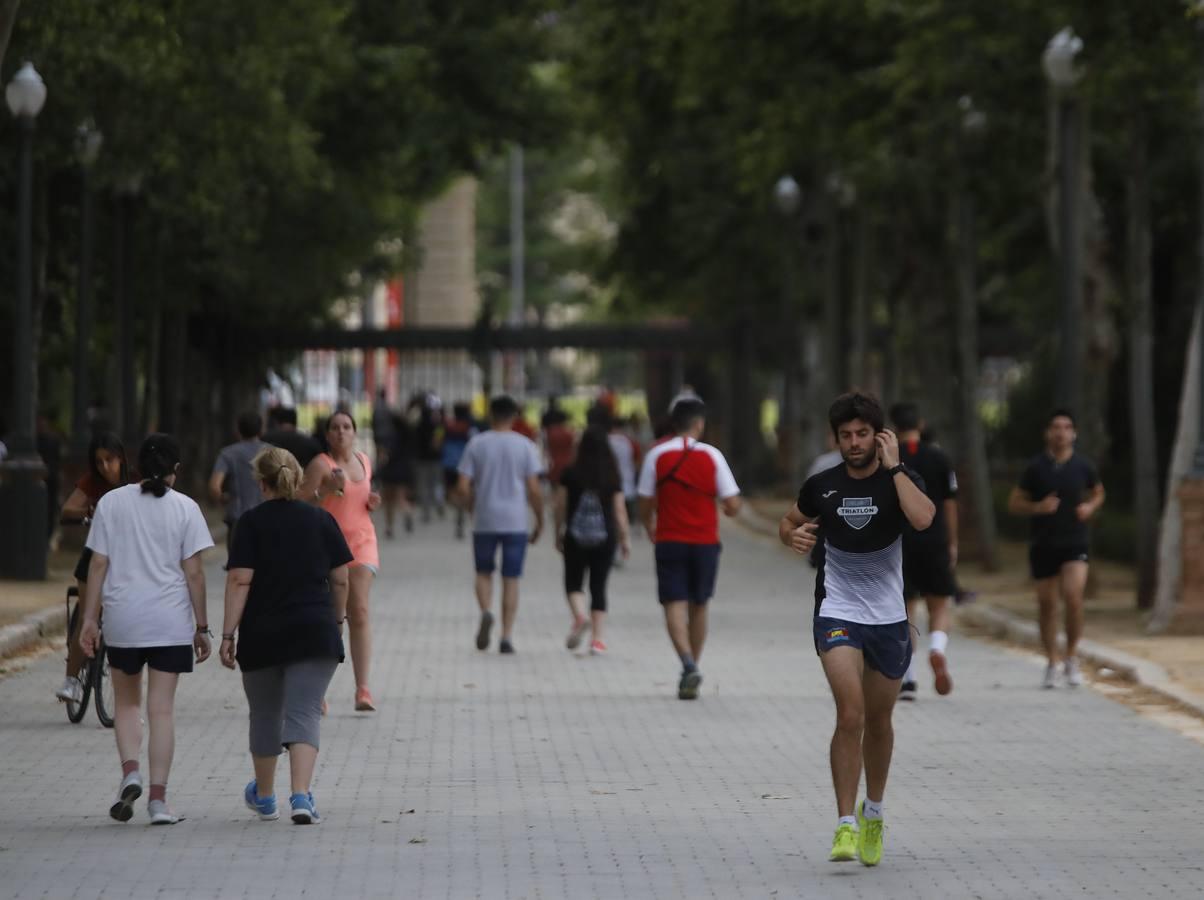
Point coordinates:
[[872, 810], [847, 820], [938, 641]]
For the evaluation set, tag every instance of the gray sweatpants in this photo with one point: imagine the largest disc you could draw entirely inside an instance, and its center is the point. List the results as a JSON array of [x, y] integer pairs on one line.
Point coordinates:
[[286, 704]]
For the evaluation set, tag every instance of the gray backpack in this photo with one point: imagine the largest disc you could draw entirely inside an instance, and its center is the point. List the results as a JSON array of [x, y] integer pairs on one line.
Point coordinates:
[[587, 527]]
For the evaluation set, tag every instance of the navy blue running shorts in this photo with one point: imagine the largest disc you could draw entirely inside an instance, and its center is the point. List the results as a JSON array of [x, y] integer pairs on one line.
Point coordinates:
[[886, 648], [686, 571]]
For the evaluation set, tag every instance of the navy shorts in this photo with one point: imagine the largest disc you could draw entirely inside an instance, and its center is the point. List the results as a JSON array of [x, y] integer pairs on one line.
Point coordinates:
[[886, 648], [514, 551], [686, 571], [174, 658], [1047, 562]]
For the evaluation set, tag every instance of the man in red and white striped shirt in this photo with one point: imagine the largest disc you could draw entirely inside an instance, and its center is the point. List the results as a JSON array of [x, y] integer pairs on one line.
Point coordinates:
[[681, 482]]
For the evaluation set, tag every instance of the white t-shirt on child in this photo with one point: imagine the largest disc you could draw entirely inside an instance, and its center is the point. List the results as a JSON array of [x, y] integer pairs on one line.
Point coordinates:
[[146, 538]]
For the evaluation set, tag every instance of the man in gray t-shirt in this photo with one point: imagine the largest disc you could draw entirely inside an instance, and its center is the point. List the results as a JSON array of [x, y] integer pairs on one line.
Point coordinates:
[[499, 480], [233, 481]]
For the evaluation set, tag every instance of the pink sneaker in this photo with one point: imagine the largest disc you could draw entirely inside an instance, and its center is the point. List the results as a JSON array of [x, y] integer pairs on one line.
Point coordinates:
[[597, 648]]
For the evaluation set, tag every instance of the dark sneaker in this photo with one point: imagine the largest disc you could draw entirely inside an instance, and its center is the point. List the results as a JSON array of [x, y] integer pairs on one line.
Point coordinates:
[[504, 646], [907, 690], [687, 688], [483, 630]]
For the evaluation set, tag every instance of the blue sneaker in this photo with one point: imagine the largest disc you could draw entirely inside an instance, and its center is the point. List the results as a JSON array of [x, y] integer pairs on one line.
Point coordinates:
[[264, 807], [304, 810]]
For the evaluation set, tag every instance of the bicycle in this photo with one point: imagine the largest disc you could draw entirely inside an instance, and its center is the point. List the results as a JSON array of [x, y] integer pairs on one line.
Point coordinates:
[[94, 676]]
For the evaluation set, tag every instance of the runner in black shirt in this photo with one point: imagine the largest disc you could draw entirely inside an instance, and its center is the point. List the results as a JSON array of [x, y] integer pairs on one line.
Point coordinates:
[[930, 555], [860, 627], [1060, 490]]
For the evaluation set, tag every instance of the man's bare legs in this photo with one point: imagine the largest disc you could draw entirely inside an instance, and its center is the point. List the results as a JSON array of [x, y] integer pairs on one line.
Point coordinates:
[[509, 606], [1047, 601], [698, 629], [844, 667], [677, 624], [878, 743], [1073, 578], [484, 589]]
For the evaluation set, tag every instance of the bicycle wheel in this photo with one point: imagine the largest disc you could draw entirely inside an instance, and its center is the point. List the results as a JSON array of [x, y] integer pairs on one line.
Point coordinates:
[[75, 711], [103, 683]]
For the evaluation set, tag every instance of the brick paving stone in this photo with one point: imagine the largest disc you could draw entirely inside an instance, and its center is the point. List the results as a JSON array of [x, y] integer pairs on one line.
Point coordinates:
[[550, 774]]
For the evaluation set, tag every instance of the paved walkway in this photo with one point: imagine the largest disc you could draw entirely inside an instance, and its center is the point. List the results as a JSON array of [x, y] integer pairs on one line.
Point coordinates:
[[550, 775]]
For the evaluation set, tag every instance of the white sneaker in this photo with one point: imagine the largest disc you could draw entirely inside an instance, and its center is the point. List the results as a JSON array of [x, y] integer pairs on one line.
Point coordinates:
[[160, 814], [131, 789], [72, 690], [1051, 676], [1074, 676]]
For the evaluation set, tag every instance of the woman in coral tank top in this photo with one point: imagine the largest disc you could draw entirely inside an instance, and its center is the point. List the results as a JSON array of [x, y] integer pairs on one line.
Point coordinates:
[[341, 483]]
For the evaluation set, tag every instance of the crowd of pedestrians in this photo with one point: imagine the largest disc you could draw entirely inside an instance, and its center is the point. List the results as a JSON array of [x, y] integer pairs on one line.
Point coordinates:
[[877, 515]]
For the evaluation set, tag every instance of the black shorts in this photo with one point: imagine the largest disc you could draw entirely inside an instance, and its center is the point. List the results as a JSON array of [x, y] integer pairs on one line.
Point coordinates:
[[451, 477], [686, 571], [174, 658], [885, 648], [1046, 562], [927, 571]]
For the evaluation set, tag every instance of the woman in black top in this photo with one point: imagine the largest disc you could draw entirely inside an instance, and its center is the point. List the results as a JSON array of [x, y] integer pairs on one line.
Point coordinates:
[[591, 520], [286, 596]]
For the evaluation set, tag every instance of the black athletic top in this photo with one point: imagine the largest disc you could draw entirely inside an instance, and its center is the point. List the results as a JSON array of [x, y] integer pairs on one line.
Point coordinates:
[[289, 616], [1071, 481], [860, 578], [940, 484]]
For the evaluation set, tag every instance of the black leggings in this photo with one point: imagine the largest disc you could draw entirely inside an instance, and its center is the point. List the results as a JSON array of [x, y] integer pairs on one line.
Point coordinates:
[[598, 560]]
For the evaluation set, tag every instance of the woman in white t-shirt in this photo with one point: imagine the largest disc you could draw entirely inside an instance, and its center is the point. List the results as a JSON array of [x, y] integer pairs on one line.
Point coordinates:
[[146, 542]]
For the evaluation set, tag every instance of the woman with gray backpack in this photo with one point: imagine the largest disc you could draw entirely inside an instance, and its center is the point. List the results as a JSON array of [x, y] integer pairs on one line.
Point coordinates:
[[591, 522]]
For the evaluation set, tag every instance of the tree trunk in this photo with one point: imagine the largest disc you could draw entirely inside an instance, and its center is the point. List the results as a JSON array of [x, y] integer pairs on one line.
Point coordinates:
[[8, 18], [1170, 559], [862, 261], [973, 440], [833, 325], [1097, 343], [1141, 367]]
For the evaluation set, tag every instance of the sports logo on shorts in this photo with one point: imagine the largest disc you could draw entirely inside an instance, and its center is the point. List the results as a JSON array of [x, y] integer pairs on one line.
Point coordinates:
[[837, 634], [857, 511]]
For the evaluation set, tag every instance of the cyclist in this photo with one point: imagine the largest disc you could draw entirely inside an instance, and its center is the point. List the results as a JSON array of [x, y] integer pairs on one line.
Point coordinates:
[[107, 469]]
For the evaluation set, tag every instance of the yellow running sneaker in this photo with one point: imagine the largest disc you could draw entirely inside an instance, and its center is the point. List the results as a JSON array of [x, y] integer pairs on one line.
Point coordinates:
[[844, 844], [869, 838]]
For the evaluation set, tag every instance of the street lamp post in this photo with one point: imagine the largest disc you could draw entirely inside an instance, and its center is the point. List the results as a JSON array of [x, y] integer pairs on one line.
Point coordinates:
[[1059, 63], [22, 487], [787, 197], [88, 141]]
